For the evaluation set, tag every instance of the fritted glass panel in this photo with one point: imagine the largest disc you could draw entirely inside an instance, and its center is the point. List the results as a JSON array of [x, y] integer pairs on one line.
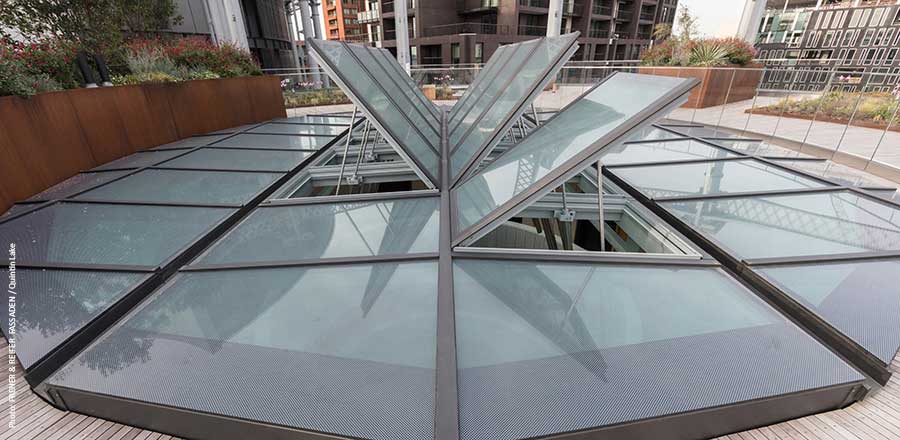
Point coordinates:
[[860, 299], [380, 106], [615, 102], [661, 152], [315, 119], [473, 136], [346, 350], [653, 133], [91, 233], [51, 305], [694, 179], [185, 186], [77, 183], [488, 78], [141, 159], [236, 159], [794, 225], [387, 227], [283, 142], [317, 130], [194, 141], [538, 343]]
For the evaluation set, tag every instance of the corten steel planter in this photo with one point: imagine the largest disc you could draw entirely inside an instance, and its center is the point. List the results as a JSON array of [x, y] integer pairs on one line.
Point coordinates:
[[714, 83], [50, 137]]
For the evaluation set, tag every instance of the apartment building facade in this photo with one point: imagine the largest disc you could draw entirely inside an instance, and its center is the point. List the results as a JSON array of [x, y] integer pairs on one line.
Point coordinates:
[[341, 20], [849, 45], [469, 31]]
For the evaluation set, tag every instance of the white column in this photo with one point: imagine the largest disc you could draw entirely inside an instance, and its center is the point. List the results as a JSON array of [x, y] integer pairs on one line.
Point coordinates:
[[750, 20], [554, 18], [308, 34], [401, 26]]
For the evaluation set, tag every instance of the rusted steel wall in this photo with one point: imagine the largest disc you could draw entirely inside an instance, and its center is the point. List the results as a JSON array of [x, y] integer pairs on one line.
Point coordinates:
[[50, 137]]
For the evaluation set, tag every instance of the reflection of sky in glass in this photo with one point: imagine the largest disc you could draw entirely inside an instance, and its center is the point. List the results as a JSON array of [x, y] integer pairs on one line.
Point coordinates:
[[389, 227], [661, 151], [571, 132], [794, 225]]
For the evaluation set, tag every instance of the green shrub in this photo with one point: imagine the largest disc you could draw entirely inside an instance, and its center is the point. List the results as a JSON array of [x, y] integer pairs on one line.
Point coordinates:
[[312, 98]]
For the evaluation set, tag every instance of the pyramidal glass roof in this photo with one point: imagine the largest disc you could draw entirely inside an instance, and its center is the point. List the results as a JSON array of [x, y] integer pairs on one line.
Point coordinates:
[[205, 308]]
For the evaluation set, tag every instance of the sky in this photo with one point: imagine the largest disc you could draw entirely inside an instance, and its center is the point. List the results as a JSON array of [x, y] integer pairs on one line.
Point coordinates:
[[715, 18]]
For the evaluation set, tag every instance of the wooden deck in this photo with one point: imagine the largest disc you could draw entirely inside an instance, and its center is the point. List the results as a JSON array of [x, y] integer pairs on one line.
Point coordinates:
[[875, 418]]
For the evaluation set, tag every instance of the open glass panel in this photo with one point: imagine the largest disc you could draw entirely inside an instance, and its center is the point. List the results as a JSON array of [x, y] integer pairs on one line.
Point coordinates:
[[710, 178], [390, 64], [560, 148], [331, 230], [380, 108], [185, 186], [488, 78], [663, 151], [93, 233], [385, 65], [548, 348], [861, 299], [794, 225], [483, 127], [330, 349], [278, 142], [237, 160], [52, 305]]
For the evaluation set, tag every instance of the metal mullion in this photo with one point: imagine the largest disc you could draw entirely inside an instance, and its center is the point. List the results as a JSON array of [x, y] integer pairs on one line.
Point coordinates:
[[746, 194], [214, 170], [583, 257], [410, 85], [492, 101], [487, 76], [446, 393], [291, 134], [823, 258], [366, 259], [521, 105], [349, 198], [463, 180], [151, 203], [389, 135], [583, 159], [85, 266], [428, 119], [389, 96], [658, 141], [663, 163], [304, 150]]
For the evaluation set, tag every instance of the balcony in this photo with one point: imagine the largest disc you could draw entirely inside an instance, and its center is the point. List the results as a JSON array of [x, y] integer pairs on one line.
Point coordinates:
[[624, 15], [539, 4], [599, 9], [598, 33], [648, 16], [534, 31], [466, 28], [372, 16]]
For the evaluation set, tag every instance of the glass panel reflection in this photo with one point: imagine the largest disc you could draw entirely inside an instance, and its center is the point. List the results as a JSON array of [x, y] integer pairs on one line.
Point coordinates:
[[285, 142], [76, 184], [185, 186], [710, 178], [861, 299], [107, 234], [235, 159], [142, 159], [538, 343], [335, 349], [389, 227], [54, 304], [794, 225], [193, 141], [661, 151], [317, 130], [610, 105]]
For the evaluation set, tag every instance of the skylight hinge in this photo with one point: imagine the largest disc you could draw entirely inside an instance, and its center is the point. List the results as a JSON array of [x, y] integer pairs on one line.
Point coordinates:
[[564, 215]]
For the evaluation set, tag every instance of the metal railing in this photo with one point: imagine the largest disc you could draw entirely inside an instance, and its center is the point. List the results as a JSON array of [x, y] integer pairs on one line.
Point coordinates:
[[601, 9], [535, 31], [836, 114], [598, 33], [465, 28]]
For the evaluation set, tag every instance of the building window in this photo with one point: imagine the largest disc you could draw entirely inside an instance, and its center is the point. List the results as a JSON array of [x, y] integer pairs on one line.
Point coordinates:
[[878, 75], [814, 39], [890, 57], [876, 17], [848, 59], [827, 20], [879, 37], [865, 17], [888, 36], [879, 56], [848, 38], [838, 20], [479, 53], [894, 76], [454, 53], [867, 37], [828, 41], [868, 56], [897, 17], [854, 19]]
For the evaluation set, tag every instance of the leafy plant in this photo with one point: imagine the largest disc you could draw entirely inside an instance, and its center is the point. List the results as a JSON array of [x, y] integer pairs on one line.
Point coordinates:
[[148, 59], [684, 49], [314, 98], [708, 54]]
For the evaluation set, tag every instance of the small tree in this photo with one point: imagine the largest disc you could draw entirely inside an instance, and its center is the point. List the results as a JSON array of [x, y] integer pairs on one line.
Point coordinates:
[[687, 31], [662, 31], [96, 25]]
